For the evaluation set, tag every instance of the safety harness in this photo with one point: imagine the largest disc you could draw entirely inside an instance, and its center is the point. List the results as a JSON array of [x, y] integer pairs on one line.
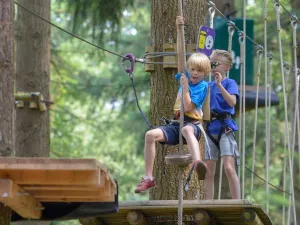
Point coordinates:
[[224, 128]]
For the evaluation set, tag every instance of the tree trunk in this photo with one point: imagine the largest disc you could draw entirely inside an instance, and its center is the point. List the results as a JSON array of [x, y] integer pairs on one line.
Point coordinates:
[[33, 75], [7, 109], [164, 87]]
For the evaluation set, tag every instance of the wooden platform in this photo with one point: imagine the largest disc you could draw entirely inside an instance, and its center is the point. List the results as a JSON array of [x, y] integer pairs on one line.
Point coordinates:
[[27, 182], [160, 212]]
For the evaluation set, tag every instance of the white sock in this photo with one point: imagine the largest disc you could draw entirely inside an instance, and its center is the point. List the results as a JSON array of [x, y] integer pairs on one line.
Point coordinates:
[[148, 178]]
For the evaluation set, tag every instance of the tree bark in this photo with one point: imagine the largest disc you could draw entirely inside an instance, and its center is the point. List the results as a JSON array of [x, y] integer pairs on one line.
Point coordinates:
[[33, 75], [164, 87], [7, 109], [32, 37]]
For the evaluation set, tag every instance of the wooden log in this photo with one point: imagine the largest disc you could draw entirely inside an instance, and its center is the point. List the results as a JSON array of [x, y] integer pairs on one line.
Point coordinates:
[[201, 217], [136, 218], [91, 221], [170, 47], [149, 67], [20, 104], [42, 104], [250, 217], [19, 200], [27, 96], [191, 48], [180, 160]]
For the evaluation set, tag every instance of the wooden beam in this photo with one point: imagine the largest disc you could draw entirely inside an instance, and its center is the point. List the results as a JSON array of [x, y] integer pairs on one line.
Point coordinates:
[[24, 163], [250, 217], [201, 217], [136, 218], [19, 200], [51, 177], [77, 199]]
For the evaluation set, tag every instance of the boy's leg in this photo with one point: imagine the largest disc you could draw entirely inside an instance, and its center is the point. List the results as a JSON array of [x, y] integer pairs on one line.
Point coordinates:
[[188, 133], [211, 158], [209, 179], [151, 137], [191, 134], [233, 180], [230, 154]]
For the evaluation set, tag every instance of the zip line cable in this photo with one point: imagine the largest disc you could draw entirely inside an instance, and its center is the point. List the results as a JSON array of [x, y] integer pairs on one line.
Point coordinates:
[[210, 3], [140, 60], [73, 35], [291, 14]]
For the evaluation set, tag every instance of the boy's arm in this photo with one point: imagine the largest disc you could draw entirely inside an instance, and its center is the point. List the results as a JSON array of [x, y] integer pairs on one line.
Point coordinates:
[[187, 101], [229, 98]]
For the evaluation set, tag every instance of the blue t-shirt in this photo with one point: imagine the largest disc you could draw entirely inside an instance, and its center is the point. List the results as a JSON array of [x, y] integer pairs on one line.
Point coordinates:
[[219, 105], [197, 93]]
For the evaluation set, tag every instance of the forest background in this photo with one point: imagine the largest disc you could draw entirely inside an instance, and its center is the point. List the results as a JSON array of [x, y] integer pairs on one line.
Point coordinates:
[[95, 113]]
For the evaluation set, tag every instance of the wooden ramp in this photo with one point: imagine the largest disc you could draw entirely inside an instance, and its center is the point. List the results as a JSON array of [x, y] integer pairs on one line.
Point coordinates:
[[25, 183], [233, 212]]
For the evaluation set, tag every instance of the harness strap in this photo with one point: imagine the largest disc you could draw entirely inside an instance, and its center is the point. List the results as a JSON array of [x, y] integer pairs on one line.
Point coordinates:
[[224, 129]]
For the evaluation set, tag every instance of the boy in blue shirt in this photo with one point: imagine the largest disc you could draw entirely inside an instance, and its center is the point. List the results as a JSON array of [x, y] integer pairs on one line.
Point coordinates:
[[221, 128], [194, 90]]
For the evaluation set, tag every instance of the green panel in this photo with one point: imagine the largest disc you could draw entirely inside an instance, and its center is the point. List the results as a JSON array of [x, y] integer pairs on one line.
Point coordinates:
[[221, 42]]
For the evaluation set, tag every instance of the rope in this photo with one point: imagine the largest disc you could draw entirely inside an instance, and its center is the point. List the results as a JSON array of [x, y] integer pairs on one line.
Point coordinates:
[[259, 53], [292, 15], [230, 32], [296, 112], [212, 12], [244, 97], [210, 3], [286, 71], [268, 105], [242, 109], [181, 67], [286, 139]]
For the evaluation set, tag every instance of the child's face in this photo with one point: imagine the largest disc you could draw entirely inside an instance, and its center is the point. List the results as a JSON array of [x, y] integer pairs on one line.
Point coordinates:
[[219, 64], [196, 75]]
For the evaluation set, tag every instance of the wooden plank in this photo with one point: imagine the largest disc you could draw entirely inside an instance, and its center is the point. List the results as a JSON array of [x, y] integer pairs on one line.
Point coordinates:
[[222, 211], [98, 193], [19, 200], [174, 203], [24, 163], [32, 188], [78, 199], [53, 177]]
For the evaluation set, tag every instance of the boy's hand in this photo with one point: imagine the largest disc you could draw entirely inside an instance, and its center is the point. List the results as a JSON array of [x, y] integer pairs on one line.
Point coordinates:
[[179, 20], [184, 82], [218, 78]]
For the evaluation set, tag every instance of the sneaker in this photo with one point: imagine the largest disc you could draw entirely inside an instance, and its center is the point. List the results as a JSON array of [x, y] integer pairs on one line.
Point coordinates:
[[200, 169], [145, 185]]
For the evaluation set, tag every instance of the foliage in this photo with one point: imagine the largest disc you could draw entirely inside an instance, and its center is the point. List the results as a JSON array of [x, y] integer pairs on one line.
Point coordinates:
[[95, 17]]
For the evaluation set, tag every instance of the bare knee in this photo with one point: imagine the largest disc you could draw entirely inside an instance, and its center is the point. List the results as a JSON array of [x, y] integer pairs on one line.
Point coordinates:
[[229, 171], [153, 135], [187, 131]]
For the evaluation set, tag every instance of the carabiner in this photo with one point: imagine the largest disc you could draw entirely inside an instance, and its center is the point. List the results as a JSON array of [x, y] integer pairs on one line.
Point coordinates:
[[129, 57]]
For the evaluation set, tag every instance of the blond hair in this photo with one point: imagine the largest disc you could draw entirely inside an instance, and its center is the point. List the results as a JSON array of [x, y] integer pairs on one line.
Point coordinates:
[[199, 61], [223, 53]]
